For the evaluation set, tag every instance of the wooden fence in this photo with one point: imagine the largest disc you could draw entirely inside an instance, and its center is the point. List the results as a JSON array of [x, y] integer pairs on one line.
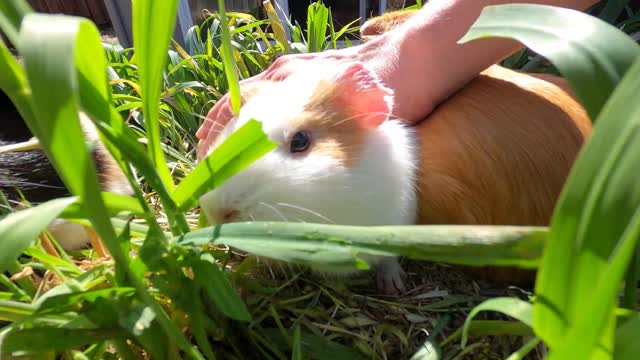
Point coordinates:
[[92, 9]]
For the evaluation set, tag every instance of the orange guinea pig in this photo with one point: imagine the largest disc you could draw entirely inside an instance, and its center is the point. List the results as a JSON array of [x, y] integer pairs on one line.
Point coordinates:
[[496, 152]]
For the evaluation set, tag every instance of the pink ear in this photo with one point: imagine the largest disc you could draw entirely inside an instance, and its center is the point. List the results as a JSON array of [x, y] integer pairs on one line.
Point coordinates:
[[363, 95]]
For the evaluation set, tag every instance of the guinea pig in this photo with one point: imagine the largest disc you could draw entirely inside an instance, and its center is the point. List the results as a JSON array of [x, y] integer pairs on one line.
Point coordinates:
[[383, 23], [30, 174], [497, 152]]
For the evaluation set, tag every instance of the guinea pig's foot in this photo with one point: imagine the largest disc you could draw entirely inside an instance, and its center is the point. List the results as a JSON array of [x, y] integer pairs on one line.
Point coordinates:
[[390, 276]]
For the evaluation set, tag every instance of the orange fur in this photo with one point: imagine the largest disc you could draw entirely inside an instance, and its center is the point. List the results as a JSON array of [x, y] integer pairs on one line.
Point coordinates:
[[498, 152], [383, 23]]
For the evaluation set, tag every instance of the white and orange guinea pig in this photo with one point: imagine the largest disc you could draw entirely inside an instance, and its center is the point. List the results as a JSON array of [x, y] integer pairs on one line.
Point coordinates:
[[497, 152]]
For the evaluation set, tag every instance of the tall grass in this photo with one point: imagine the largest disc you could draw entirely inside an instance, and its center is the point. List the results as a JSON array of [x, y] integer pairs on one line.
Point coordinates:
[[171, 290]]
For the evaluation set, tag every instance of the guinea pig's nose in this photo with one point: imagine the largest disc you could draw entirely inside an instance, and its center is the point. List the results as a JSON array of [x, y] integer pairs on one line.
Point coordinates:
[[227, 215]]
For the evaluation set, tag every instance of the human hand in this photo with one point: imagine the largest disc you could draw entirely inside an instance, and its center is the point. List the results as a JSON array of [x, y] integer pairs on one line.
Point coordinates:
[[283, 67]]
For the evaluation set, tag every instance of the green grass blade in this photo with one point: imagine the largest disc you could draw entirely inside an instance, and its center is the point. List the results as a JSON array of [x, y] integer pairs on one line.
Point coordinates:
[[95, 98], [227, 60], [590, 53], [627, 346], [21, 228], [276, 26], [593, 59], [319, 346], [317, 21], [525, 349], [516, 308], [153, 26], [11, 14], [591, 248], [39, 339], [337, 246], [15, 311], [296, 353], [48, 43], [114, 203], [237, 152], [219, 289]]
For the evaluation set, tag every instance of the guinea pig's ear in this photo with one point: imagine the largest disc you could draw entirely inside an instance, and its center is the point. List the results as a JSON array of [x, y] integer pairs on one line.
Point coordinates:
[[363, 96]]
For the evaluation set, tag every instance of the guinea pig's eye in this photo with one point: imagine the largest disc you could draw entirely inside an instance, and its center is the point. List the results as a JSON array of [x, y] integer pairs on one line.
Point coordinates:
[[299, 142]]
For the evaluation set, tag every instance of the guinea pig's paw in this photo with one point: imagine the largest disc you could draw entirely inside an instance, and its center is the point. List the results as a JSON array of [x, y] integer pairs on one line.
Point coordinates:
[[390, 277], [70, 235]]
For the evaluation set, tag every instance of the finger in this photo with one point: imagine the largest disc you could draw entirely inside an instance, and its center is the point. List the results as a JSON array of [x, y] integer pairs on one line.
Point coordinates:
[[209, 120], [219, 120]]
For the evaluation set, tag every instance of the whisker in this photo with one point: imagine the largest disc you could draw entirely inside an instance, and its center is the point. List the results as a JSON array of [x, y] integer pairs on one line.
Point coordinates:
[[274, 209], [307, 211]]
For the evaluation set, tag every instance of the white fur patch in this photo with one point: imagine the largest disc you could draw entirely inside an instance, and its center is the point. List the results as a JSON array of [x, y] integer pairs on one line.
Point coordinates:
[[377, 189], [70, 235]]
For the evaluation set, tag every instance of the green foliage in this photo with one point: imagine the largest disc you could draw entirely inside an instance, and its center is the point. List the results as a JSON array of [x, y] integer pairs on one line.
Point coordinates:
[[147, 109]]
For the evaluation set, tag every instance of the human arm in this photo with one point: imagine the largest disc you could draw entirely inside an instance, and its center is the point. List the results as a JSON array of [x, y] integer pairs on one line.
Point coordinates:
[[422, 53]]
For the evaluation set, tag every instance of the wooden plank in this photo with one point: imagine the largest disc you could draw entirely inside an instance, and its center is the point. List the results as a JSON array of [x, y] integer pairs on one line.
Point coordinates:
[[183, 21], [98, 12], [383, 7], [362, 11], [120, 13], [81, 9], [39, 5]]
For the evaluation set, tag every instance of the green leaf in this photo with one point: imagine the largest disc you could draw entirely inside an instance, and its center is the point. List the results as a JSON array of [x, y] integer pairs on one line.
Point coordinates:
[[317, 22], [64, 302], [525, 349], [516, 308], [152, 29], [237, 152], [590, 53], [592, 246], [209, 276], [627, 346], [296, 352], [337, 246], [114, 203], [15, 311], [320, 347], [49, 46], [21, 228], [227, 60], [587, 246], [278, 29], [11, 14], [40, 339]]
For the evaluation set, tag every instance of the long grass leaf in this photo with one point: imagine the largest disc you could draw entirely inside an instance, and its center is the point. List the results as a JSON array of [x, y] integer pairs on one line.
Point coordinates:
[[593, 59], [579, 45], [11, 14], [338, 246], [276, 26], [603, 245], [238, 151], [516, 308], [152, 29], [21, 228], [227, 60]]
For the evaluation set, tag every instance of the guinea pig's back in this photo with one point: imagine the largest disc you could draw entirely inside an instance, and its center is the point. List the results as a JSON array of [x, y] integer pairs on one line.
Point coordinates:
[[498, 152]]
